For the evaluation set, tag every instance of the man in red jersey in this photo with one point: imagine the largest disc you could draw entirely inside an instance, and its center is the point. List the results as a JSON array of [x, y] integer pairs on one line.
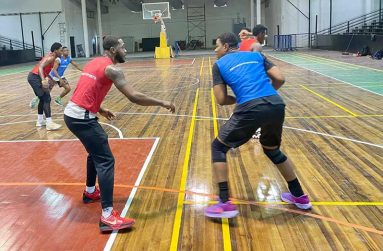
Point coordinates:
[[247, 39], [39, 83], [80, 116], [252, 41]]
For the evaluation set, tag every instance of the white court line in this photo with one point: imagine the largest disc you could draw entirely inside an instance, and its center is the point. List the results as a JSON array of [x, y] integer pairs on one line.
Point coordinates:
[[28, 121], [115, 128], [113, 236], [334, 136], [326, 75], [193, 62], [224, 119], [64, 140]]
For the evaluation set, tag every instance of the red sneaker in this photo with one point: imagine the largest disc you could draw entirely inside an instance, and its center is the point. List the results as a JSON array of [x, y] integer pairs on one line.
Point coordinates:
[[115, 222], [91, 197]]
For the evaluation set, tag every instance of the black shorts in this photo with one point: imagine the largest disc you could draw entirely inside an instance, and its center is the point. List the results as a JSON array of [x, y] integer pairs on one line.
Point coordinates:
[[267, 113], [35, 82], [53, 82]]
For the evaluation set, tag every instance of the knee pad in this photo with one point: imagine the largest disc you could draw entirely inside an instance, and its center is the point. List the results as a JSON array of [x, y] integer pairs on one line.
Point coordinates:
[[218, 151], [276, 155]]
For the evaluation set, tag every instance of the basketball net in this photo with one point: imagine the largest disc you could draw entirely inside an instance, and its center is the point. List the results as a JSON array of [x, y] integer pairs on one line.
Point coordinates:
[[157, 18]]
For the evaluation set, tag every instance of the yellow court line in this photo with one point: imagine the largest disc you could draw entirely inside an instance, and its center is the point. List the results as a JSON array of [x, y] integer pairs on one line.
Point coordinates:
[[215, 123], [315, 203], [330, 101], [355, 65], [225, 222], [211, 71], [181, 195], [200, 71]]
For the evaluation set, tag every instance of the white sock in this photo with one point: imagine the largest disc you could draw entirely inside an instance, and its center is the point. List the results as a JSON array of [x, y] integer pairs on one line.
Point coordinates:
[[106, 212], [40, 117], [49, 120], [90, 189]]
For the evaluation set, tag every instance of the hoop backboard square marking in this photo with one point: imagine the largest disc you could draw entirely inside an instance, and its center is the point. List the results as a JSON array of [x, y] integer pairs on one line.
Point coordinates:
[[151, 9]]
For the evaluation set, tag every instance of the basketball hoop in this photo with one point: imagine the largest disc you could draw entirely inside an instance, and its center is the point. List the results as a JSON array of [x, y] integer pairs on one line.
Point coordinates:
[[156, 17]]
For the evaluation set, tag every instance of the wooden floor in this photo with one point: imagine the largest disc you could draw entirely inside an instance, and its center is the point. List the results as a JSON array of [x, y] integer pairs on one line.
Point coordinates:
[[333, 132]]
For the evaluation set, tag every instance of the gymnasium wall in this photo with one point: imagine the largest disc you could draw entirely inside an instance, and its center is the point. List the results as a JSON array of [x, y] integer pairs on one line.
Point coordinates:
[[121, 21], [341, 42], [74, 26], [10, 25], [292, 21]]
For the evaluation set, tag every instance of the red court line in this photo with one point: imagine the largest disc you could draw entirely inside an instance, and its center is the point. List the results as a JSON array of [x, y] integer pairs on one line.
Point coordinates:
[[213, 196]]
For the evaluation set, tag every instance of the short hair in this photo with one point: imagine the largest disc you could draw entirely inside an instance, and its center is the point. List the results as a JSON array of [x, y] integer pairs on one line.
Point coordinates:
[[55, 46], [64, 47], [246, 29], [109, 42], [259, 28], [229, 38]]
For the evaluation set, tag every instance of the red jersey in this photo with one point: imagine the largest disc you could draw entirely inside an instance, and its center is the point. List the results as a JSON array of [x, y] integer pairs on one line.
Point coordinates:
[[93, 85], [246, 44], [47, 69]]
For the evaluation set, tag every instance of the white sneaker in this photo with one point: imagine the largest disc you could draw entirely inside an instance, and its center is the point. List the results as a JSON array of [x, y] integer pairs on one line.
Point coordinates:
[[52, 126], [41, 123], [257, 134]]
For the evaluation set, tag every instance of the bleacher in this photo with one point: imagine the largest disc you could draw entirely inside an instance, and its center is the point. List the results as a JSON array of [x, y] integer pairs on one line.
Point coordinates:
[[375, 27]]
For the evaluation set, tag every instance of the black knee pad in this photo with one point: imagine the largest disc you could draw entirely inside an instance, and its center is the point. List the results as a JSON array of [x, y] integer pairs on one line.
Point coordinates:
[[276, 155], [218, 151]]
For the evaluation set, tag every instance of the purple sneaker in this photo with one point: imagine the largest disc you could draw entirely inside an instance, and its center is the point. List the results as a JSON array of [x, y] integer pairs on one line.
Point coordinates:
[[302, 202], [222, 210]]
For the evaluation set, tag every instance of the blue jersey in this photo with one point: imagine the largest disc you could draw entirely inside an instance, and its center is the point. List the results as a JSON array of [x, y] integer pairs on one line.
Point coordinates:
[[245, 73], [62, 67]]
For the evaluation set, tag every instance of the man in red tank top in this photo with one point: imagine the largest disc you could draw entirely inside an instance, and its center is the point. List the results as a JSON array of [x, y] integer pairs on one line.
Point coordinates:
[[80, 116], [252, 41], [247, 39], [39, 83]]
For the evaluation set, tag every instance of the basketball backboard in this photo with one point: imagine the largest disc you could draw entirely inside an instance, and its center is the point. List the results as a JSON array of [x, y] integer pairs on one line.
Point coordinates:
[[155, 9]]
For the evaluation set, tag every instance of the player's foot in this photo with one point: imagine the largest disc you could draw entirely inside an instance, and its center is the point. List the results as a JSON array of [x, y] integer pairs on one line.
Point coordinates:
[[91, 197], [302, 202], [59, 101], [115, 222], [222, 210], [34, 102], [52, 126], [40, 123]]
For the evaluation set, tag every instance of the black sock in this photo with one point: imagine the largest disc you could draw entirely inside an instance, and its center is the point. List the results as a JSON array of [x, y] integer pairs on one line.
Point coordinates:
[[223, 191], [295, 188]]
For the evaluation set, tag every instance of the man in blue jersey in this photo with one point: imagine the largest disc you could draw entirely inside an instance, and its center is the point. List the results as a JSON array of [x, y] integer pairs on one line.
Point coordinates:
[[57, 76], [254, 81]]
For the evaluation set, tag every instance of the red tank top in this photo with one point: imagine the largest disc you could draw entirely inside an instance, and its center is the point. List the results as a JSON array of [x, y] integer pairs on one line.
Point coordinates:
[[47, 69], [93, 85], [246, 44]]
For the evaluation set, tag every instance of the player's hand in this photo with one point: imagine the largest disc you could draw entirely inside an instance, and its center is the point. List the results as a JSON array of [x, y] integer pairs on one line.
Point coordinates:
[[169, 106], [45, 84], [62, 82], [107, 114]]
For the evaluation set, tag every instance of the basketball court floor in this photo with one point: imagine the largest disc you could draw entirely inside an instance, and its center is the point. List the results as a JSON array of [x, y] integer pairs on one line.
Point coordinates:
[[333, 132]]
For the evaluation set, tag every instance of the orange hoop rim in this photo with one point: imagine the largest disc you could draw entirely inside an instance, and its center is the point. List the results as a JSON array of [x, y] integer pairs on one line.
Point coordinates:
[[156, 18]]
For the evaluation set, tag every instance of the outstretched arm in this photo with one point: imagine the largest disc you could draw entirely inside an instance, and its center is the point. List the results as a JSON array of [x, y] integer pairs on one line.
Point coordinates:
[[118, 78]]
